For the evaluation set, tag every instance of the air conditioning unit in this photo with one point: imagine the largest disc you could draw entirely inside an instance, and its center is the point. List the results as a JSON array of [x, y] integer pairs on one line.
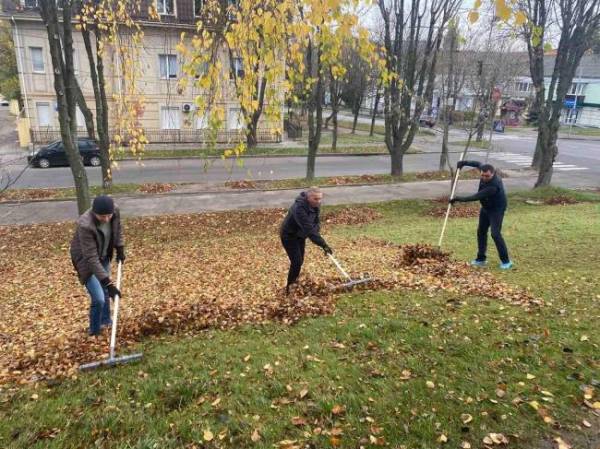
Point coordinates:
[[187, 107]]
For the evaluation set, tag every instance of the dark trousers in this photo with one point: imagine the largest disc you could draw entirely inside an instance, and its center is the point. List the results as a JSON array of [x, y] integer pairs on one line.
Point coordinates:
[[295, 251], [491, 219]]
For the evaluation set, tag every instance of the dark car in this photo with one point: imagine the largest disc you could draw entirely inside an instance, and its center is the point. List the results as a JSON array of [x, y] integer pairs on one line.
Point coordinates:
[[54, 154]]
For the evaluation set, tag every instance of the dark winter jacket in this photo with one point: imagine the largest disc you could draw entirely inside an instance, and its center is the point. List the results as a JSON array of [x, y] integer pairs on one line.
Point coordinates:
[[490, 194], [302, 221], [86, 245]]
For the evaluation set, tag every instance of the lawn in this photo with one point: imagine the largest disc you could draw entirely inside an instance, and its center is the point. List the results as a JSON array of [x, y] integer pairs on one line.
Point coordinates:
[[431, 359]]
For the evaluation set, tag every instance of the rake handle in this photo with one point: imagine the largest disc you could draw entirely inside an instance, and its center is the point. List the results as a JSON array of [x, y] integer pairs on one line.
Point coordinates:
[[113, 330], [339, 266], [454, 183]]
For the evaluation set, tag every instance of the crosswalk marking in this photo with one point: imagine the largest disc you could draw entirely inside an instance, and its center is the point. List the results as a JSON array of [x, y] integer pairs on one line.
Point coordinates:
[[525, 161]]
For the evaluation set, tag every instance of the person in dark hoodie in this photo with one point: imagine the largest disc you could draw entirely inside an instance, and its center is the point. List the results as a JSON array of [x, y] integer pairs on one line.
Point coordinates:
[[97, 236], [300, 223], [493, 201]]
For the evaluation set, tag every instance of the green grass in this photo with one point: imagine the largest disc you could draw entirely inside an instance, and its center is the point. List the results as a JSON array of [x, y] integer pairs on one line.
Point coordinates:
[[577, 131], [360, 145], [466, 346], [65, 193], [484, 144]]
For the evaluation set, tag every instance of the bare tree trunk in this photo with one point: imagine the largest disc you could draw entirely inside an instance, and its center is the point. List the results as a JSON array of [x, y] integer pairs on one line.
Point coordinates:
[[374, 113], [87, 114], [99, 87], [65, 86], [356, 112], [315, 109], [397, 163]]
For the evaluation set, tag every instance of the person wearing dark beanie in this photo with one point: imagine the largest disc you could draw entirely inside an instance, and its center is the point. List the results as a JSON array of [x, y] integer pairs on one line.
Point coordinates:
[[98, 236]]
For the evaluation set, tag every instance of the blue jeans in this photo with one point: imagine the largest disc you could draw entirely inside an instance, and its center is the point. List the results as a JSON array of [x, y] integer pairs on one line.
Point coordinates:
[[100, 302]]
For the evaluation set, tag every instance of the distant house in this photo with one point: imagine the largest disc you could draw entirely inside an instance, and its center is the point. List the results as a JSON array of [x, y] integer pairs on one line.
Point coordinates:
[[168, 115], [581, 105]]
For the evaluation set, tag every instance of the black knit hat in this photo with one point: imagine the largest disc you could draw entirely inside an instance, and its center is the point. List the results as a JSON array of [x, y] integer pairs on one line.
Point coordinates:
[[103, 205]]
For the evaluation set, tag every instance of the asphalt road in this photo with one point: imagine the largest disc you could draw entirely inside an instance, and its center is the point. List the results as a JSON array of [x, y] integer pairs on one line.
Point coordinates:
[[578, 165]]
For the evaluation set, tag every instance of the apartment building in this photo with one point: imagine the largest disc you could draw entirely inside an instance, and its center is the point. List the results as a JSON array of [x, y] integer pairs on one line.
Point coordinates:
[[169, 113]]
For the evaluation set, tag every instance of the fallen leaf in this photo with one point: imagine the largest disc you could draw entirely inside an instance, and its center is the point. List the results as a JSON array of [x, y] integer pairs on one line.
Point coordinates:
[[255, 436], [430, 384], [208, 435]]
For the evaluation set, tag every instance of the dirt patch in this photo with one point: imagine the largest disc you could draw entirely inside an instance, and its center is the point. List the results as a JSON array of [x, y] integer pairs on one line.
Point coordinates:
[[351, 216]]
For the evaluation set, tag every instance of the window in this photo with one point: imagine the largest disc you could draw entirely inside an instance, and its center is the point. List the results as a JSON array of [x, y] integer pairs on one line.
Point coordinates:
[[202, 121], [165, 7], [80, 118], [201, 69], [30, 3], [168, 66], [523, 87], [577, 88], [198, 7], [234, 119], [37, 59], [43, 114], [238, 68], [169, 117]]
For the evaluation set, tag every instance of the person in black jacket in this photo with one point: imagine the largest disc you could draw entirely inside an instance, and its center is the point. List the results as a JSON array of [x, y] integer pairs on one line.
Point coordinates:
[[300, 223], [493, 201]]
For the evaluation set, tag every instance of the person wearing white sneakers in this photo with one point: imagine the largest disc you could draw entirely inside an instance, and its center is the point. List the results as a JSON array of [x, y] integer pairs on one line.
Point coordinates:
[[493, 201]]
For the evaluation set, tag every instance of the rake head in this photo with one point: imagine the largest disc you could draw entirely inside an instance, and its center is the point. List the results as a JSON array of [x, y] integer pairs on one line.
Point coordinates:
[[111, 362]]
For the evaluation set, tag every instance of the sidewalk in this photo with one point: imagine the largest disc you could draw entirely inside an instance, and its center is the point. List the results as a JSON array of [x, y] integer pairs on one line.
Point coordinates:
[[195, 202]]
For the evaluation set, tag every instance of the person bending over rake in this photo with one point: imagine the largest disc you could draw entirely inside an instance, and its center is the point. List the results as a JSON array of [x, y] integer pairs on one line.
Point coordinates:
[[97, 235], [302, 222]]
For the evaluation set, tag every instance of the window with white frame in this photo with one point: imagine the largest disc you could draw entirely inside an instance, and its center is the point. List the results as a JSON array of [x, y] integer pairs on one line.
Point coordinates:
[[37, 59], [238, 67], [30, 3], [169, 117], [523, 87], [165, 7], [168, 66], [43, 114], [577, 89], [198, 4], [235, 120], [202, 121]]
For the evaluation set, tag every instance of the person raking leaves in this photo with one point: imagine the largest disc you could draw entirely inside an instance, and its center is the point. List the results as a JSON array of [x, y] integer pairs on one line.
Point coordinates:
[[492, 196], [300, 223], [97, 236]]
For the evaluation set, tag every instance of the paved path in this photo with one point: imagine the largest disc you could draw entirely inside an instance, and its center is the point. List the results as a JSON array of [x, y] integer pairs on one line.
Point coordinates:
[[57, 211]]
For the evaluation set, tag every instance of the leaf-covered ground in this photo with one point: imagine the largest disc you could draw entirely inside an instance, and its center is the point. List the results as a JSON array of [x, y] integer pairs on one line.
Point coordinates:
[[438, 356], [191, 272]]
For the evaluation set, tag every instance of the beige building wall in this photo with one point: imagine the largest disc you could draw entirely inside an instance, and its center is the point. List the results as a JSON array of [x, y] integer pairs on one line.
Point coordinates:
[[164, 103]]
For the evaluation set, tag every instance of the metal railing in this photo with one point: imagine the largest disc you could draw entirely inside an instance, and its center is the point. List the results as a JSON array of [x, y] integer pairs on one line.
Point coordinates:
[[174, 136]]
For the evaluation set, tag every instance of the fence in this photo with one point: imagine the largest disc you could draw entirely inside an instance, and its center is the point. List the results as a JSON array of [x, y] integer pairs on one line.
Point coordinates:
[[174, 136]]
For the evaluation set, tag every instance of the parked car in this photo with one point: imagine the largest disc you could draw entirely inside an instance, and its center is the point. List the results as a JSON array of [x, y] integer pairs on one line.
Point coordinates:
[[54, 154], [427, 120]]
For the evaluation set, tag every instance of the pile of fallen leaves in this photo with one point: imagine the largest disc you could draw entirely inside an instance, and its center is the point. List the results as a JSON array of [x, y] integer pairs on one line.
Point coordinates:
[[457, 211], [362, 179], [243, 184], [560, 200], [190, 272], [351, 216], [157, 187], [28, 194]]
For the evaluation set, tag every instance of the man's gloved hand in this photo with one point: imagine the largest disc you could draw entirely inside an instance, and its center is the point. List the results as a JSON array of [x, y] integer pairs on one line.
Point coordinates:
[[121, 254], [461, 164], [110, 287], [327, 249], [455, 200]]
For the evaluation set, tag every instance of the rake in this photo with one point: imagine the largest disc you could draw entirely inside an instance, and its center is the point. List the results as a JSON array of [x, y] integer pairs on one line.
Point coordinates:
[[112, 360], [351, 282]]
